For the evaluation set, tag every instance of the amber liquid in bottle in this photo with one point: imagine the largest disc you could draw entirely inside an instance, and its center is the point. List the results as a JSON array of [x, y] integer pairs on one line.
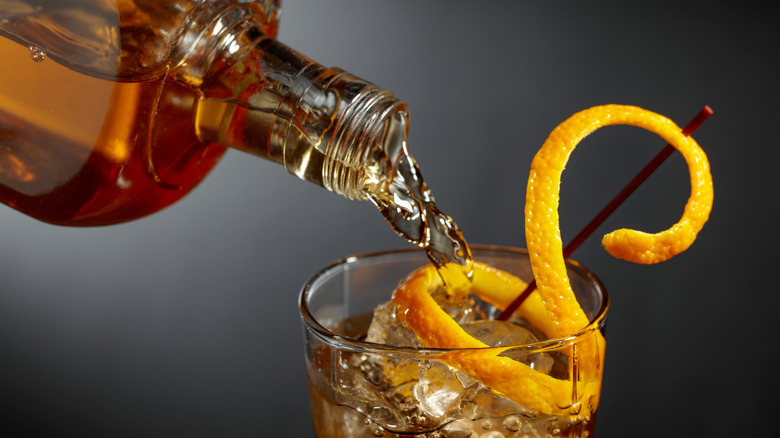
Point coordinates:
[[73, 146], [94, 127]]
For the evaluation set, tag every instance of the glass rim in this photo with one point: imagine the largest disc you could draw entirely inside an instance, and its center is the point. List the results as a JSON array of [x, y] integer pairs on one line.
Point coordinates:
[[596, 323]]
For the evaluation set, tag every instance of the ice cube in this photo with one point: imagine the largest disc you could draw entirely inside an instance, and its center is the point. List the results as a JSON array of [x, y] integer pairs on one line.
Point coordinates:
[[461, 309], [386, 329], [499, 333], [373, 385], [438, 391], [506, 334]]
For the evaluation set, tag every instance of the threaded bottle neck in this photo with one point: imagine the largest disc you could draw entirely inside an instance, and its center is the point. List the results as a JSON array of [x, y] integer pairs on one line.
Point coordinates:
[[367, 140], [322, 124]]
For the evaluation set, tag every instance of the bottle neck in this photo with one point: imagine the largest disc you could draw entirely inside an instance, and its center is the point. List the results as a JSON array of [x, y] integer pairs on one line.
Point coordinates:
[[257, 95]]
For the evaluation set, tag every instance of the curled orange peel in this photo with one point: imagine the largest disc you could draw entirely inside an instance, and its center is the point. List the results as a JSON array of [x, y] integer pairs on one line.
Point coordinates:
[[543, 236], [553, 307]]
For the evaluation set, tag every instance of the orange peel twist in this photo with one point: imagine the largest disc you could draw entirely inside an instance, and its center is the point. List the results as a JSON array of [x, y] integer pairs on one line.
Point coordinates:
[[543, 236]]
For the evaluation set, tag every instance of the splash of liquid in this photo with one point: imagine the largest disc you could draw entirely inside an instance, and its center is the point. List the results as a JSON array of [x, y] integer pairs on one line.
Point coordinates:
[[407, 204]]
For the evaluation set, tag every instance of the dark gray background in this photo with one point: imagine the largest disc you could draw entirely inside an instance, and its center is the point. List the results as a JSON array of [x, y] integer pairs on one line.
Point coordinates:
[[185, 323]]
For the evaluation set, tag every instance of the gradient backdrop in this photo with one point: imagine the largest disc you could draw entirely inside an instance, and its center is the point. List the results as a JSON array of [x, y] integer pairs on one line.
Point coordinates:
[[185, 323]]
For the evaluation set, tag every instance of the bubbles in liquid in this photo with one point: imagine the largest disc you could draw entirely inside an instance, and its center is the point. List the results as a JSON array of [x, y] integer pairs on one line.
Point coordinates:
[[37, 54], [512, 423], [376, 429]]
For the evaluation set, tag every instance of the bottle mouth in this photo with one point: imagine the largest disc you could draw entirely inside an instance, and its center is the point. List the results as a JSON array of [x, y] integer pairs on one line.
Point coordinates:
[[367, 141]]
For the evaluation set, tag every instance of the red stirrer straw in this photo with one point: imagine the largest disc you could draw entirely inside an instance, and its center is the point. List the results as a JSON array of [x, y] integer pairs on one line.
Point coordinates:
[[665, 153]]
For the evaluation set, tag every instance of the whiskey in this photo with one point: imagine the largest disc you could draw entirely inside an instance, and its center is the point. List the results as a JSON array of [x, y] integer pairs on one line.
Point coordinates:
[[80, 150], [94, 128]]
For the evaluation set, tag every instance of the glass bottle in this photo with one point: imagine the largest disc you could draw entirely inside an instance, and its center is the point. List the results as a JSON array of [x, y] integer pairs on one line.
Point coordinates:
[[113, 109]]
